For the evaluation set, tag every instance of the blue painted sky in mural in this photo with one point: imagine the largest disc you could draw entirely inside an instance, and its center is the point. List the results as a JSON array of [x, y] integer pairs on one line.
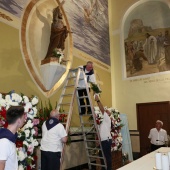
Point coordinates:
[[149, 16], [15, 7], [91, 37]]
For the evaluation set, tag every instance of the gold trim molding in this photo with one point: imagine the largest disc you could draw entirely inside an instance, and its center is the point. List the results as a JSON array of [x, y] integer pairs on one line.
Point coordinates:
[[6, 17]]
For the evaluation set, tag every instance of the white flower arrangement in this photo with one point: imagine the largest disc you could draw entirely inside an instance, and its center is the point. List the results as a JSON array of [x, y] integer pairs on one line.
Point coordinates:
[[26, 142], [59, 54], [116, 126]]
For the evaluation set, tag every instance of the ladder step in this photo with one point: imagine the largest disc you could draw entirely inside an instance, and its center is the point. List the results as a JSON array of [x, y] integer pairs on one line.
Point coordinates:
[[72, 77], [84, 105], [64, 104], [71, 94], [97, 164], [97, 157], [93, 148], [87, 123], [72, 85], [86, 115], [83, 97], [94, 132], [91, 140]]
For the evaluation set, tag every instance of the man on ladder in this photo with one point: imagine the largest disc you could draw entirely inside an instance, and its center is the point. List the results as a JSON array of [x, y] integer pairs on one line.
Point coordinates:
[[89, 72]]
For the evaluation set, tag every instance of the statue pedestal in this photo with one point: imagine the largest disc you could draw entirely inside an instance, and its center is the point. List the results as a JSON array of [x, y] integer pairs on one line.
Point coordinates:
[[51, 72], [49, 60]]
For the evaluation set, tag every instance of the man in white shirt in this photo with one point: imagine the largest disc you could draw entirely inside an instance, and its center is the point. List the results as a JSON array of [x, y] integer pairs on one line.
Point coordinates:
[[105, 135], [89, 72], [158, 136], [15, 117], [53, 137]]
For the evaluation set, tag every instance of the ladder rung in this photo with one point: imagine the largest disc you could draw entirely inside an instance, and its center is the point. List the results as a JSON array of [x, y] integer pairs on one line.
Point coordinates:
[[72, 77], [97, 164], [86, 115], [71, 94], [91, 156], [93, 148], [84, 105], [83, 97], [91, 140], [72, 85], [88, 123], [64, 104], [88, 133]]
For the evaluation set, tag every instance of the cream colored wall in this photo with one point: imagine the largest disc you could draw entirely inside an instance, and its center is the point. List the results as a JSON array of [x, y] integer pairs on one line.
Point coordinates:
[[14, 75], [126, 93]]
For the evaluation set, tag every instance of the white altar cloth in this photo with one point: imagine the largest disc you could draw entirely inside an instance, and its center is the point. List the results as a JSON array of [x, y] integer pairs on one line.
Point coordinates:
[[146, 162]]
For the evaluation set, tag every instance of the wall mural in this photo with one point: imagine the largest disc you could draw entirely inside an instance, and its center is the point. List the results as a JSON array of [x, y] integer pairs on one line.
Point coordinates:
[[146, 39], [15, 7], [88, 20], [90, 29]]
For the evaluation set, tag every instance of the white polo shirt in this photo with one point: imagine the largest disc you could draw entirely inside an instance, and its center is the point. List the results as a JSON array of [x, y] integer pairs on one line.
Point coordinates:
[[82, 83], [158, 137], [105, 128], [51, 139], [8, 153]]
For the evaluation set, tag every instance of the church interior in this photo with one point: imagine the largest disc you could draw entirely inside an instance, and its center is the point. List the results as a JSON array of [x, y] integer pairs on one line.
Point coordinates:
[[131, 69]]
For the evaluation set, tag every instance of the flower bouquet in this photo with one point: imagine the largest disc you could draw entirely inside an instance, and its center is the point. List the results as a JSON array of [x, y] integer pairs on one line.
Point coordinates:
[[95, 88], [58, 53]]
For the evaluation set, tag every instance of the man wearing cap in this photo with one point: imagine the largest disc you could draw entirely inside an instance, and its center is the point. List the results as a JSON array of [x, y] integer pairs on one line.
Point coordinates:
[[53, 136], [158, 136]]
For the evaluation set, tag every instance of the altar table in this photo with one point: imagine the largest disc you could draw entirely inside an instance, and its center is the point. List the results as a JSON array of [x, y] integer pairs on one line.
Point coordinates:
[[146, 162]]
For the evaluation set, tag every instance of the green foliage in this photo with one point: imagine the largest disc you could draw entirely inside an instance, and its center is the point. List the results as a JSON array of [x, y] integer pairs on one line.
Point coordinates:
[[57, 53], [44, 113], [95, 88]]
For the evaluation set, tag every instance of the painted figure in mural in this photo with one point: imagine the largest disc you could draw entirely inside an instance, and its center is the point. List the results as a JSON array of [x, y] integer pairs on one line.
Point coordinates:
[[137, 59], [167, 47], [130, 52], [93, 12], [160, 45], [150, 48], [59, 33]]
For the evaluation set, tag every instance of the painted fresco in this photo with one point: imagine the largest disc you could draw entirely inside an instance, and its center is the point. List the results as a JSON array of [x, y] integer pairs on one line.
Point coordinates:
[[147, 39], [89, 23], [15, 7], [88, 20]]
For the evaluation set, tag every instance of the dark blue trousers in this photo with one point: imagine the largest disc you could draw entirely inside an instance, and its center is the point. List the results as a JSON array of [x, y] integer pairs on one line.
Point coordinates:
[[106, 146], [50, 160]]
